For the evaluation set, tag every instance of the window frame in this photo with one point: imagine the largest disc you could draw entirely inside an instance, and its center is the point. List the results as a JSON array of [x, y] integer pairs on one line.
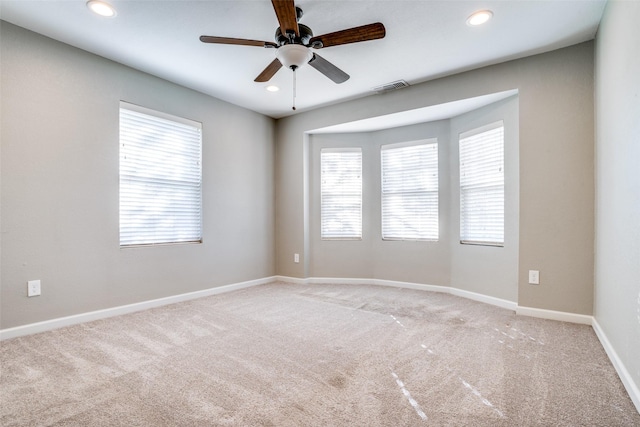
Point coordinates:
[[137, 182], [501, 158], [400, 192], [358, 194]]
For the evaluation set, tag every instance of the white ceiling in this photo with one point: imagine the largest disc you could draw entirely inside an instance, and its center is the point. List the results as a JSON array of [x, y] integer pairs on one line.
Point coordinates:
[[425, 39]]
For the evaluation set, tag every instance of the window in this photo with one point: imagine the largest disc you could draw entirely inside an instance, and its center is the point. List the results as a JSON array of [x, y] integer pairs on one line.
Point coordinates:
[[160, 178], [482, 185], [341, 193], [410, 191]]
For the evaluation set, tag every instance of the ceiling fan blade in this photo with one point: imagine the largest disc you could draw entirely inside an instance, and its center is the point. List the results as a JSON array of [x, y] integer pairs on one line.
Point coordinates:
[[269, 72], [351, 35], [229, 40], [328, 69], [287, 16]]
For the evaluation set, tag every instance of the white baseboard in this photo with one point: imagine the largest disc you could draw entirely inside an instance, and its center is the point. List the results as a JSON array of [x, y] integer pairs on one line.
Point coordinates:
[[294, 280], [409, 285], [499, 302], [48, 325], [509, 305], [562, 316], [358, 281], [130, 308], [628, 382], [379, 282], [337, 281]]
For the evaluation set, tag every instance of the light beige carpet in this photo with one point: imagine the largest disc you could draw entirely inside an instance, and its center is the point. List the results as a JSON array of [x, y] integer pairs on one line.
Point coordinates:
[[318, 355]]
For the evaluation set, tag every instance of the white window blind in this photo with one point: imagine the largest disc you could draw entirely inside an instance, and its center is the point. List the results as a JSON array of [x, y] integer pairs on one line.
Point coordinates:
[[341, 193], [410, 191], [160, 178], [482, 185]]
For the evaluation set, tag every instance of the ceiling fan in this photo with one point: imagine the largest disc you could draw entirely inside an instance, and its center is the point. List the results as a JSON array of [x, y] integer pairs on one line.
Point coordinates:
[[294, 41]]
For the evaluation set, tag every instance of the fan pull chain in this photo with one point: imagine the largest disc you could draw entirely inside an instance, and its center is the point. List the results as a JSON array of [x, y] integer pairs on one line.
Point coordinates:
[[294, 90]]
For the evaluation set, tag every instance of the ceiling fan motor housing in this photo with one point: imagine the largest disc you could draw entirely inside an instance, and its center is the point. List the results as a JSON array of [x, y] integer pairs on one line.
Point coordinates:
[[305, 36]]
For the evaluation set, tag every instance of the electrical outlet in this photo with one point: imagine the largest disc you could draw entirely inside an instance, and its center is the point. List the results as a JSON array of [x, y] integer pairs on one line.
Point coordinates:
[[534, 277], [296, 258], [33, 288]]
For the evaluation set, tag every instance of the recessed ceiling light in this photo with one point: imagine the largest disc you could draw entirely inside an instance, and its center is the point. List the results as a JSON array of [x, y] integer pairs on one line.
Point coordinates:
[[101, 8], [273, 88], [479, 17]]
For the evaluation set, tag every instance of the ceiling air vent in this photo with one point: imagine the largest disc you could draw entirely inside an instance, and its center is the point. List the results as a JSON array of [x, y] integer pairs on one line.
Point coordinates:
[[390, 86]]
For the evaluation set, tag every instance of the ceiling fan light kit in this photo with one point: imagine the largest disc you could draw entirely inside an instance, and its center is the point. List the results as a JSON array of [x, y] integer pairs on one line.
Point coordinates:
[[293, 55], [294, 41]]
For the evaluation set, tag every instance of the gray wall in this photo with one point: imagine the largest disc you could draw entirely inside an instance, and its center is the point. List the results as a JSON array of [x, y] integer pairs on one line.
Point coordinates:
[[60, 186], [491, 271], [371, 257], [60, 183], [488, 270], [414, 262], [617, 290], [556, 152]]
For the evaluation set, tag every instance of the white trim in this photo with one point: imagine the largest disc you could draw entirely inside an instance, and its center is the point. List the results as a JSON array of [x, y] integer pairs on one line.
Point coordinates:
[[48, 325], [360, 281], [341, 150], [425, 141], [409, 285], [631, 387], [162, 115], [498, 302], [337, 281], [562, 316], [289, 279], [509, 305]]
